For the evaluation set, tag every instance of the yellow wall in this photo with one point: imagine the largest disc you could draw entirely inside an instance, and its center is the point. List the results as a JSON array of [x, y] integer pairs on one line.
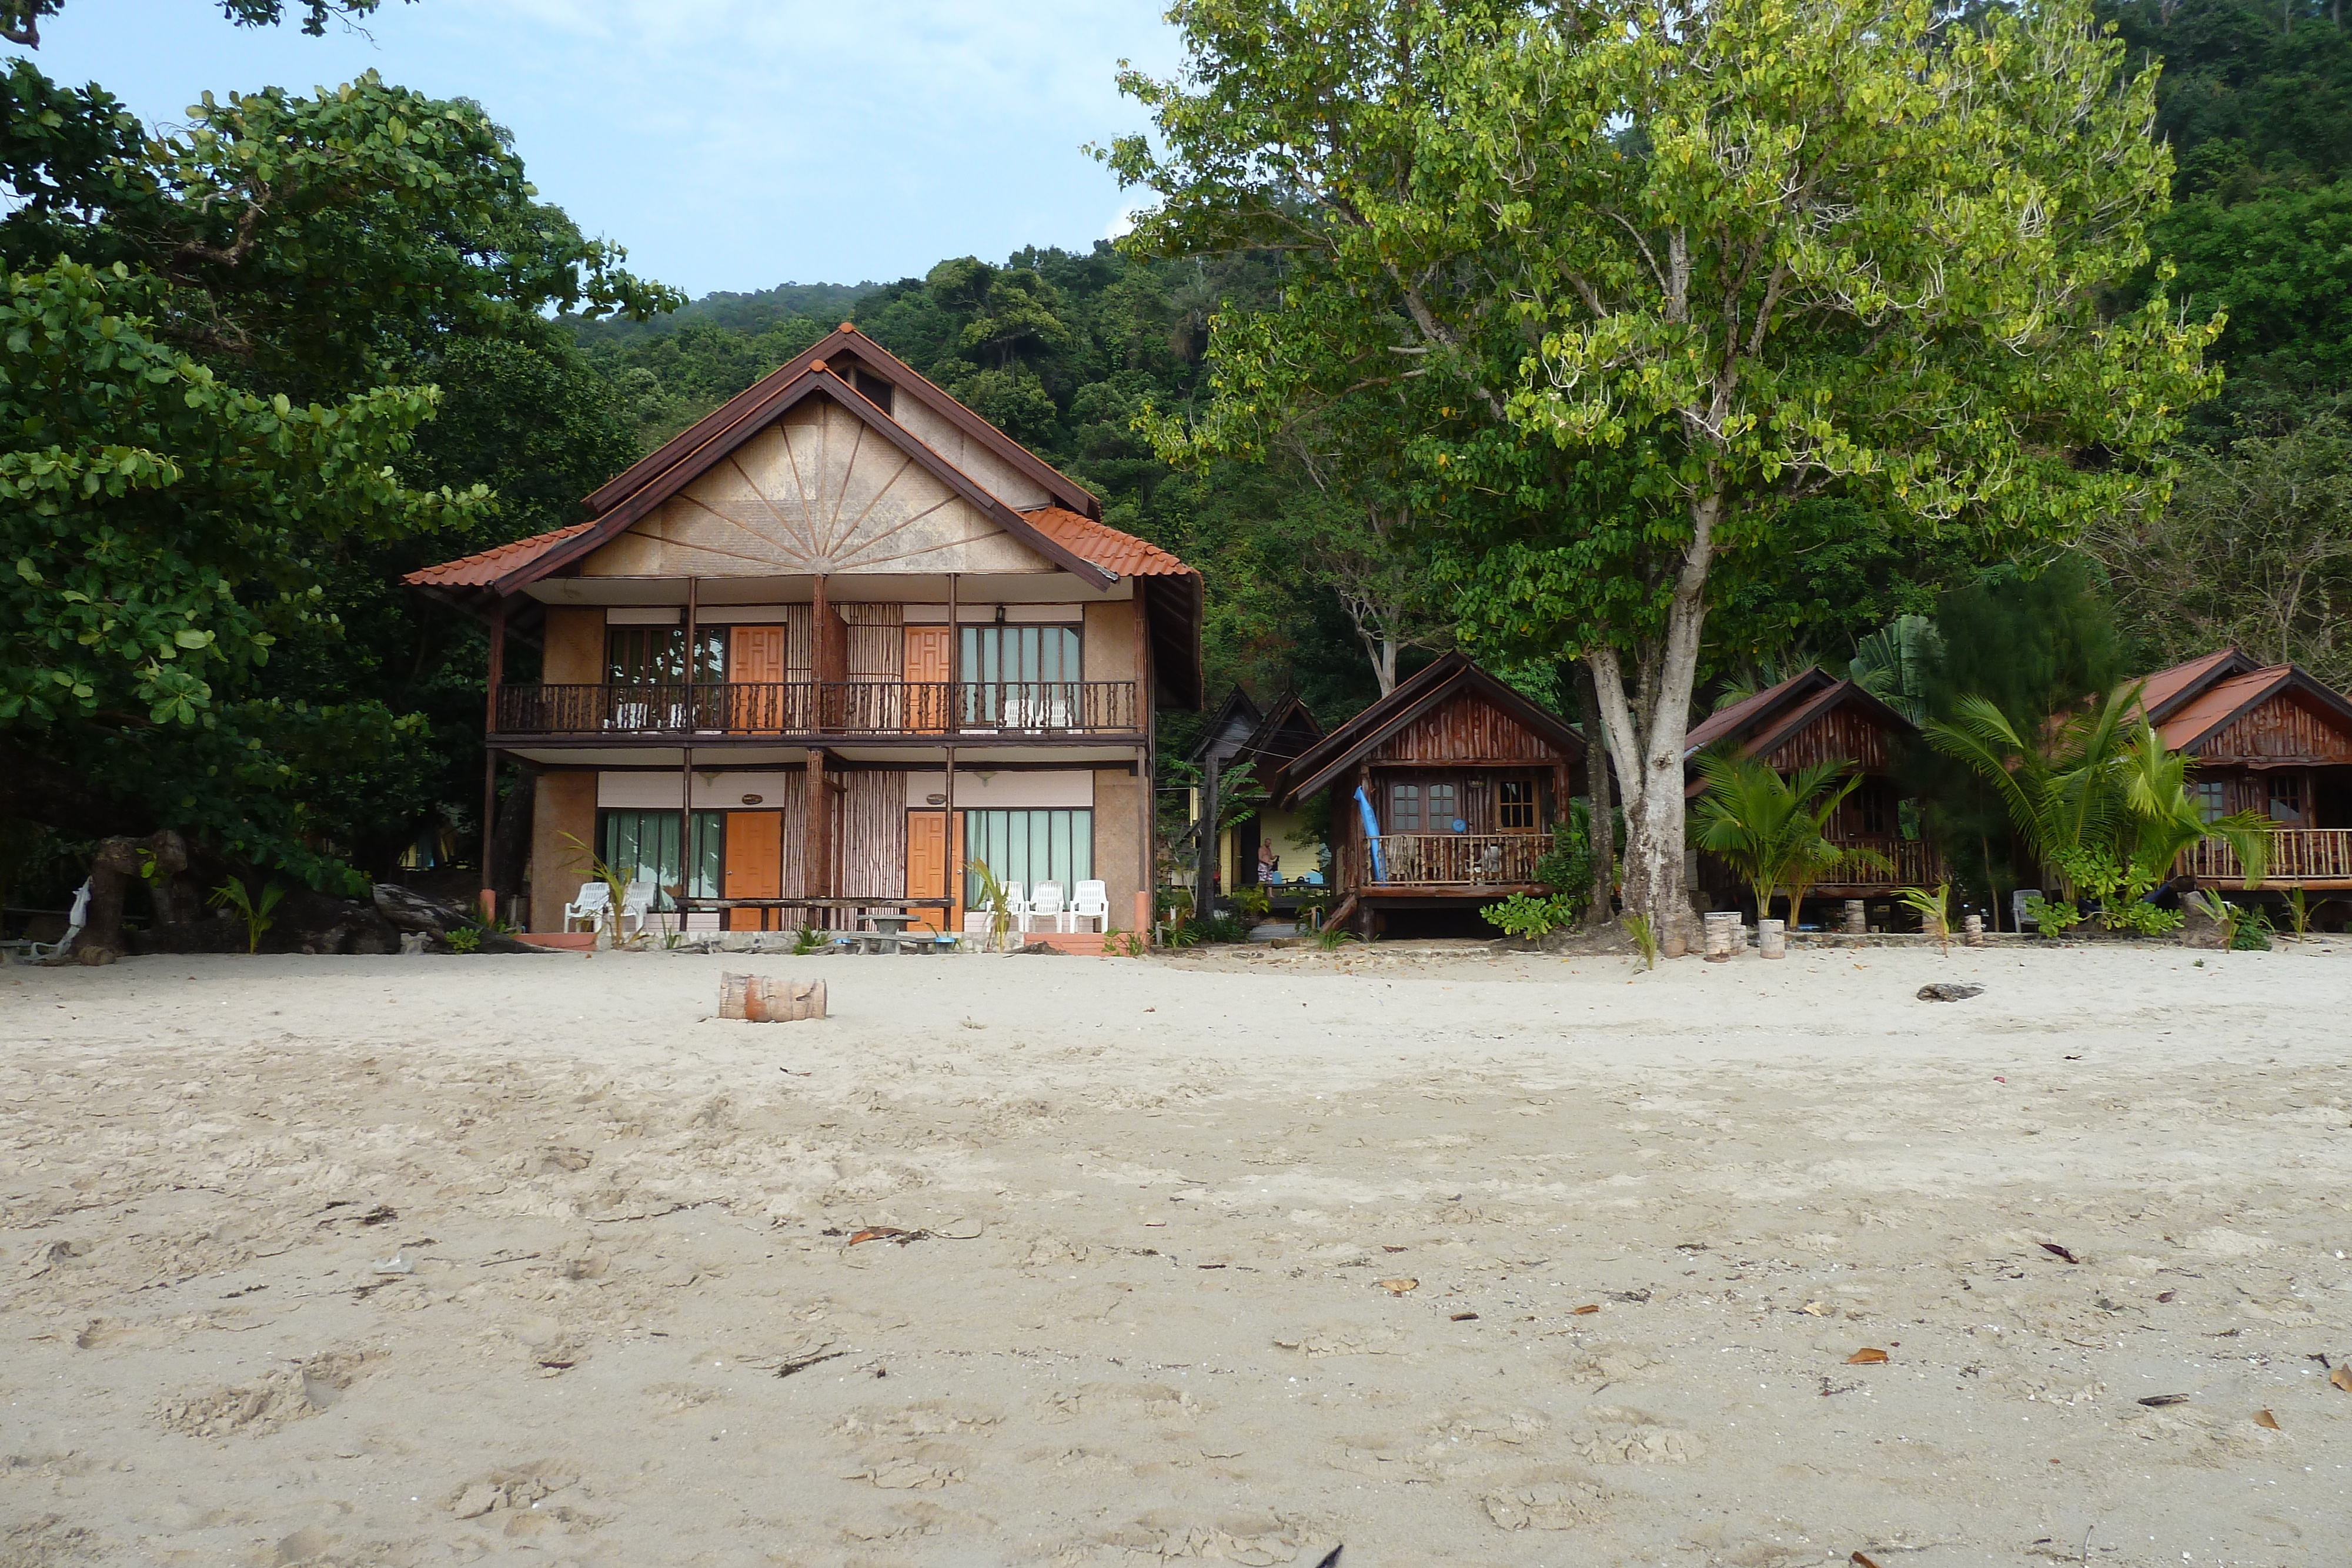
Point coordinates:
[[1109, 651], [1119, 854]]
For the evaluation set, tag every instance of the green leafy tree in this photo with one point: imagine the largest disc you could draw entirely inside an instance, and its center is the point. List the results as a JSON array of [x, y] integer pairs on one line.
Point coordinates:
[[1682, 266], [1774, 831]]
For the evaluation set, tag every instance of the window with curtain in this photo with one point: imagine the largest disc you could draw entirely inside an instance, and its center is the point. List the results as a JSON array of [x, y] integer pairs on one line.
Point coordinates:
[[1515, 805], [1029, 847], [1016, 674], [642, 845], [2289, 805], [656, 656]]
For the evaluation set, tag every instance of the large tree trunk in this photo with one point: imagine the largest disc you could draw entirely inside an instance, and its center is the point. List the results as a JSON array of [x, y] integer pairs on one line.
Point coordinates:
[[1602, 837], [1649, 728]]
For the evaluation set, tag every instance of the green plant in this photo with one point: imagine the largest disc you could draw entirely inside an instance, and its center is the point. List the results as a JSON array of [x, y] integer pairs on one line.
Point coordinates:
[[1774, 831], [2052, 917], [2253, 932], [464, 939], [992, 899], [2142, 918], [1526, 917], [1253, 901], [806, 940], [2298, 913], [2224, 914], [1933, 910], [615, 881], [1567, 867], [1179, 933], [1332, 938], [1125, 944], [232, 894], [1645, 937]]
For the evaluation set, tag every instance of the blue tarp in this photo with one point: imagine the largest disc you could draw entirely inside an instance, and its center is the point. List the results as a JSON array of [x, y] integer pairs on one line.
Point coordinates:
[[1372, 832]]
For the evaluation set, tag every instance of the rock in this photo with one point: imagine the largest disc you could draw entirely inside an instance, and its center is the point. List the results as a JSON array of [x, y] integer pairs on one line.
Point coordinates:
[[1039, 950], [2200, 929], [411, 911], [1947, 991], [477, 1500]]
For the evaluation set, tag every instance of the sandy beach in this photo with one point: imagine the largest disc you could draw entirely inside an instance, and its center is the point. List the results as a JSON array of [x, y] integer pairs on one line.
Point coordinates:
[[1470, 1260]]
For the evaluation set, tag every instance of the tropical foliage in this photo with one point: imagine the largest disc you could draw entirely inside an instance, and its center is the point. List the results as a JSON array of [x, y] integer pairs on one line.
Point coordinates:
[[1773, 829]]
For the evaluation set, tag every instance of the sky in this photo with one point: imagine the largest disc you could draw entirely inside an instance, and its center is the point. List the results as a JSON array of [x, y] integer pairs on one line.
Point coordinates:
[[728, 144]]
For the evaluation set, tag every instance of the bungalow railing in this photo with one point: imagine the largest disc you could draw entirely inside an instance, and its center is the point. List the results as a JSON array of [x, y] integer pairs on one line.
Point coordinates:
[[1909, 862], [823, 708], [2297, 854], [1458, 859]]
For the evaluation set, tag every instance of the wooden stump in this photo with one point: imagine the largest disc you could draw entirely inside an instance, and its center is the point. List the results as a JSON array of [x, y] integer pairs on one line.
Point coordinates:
[[759, 999]]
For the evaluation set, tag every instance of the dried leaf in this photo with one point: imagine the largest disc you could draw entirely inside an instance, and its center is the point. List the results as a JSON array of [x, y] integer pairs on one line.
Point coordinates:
[[1864, 1559], [2155, 1399], [1868, 1355], [1399, 1286], [1580, 1312], [875, 1233], [2166, 1295], [1386, 1248], [2057, 1251], [1815, 1308], [2264, 1418], [1465, 1317], [2342, 1376]]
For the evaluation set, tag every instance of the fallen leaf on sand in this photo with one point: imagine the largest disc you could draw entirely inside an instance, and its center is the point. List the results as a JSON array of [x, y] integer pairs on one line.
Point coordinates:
[[1399, 1286], [1465, 1317], [875, 1233], [2165, 1295], [1815, 1308], [2264, 1418], [1386, 1248], [2342, 1377], [2154, 1399], [2057, 1251], [1864, 1559], [1583, 1311], [1868, 1355]]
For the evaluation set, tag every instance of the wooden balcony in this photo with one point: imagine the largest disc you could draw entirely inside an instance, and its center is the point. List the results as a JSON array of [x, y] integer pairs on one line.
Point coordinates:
[[2299, 857], [1457, 859], [1910, 863], [816, 709]]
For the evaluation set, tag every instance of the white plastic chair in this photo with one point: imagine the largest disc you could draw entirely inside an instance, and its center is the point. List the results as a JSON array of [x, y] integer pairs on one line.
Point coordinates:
[[74, 919], [636, 904], [594, 899], [1045, 904], [1090, 901], [1016, 907]]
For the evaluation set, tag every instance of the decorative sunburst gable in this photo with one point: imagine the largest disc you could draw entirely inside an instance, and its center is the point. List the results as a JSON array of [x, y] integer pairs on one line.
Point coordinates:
[[822, 490]]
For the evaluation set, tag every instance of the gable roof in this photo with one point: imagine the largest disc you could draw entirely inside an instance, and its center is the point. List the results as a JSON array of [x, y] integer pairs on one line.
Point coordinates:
[[847, 347], [2219, 704], [815, 379], [1760, 727], [2163, 693], [1288, 729], [1451, 676], [1231, 724]]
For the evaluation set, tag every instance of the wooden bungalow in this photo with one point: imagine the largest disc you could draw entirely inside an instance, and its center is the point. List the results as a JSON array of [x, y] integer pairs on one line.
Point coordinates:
[[2270, 740], [1446, 793], [1813, 717], [834, 643]]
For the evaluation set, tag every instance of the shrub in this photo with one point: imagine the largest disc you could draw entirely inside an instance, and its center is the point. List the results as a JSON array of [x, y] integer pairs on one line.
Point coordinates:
[[465, 939], [2052, 919], [1526, 917]]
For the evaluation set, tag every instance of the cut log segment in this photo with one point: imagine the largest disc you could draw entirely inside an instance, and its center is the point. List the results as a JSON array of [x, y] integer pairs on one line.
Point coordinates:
[[757, 998]]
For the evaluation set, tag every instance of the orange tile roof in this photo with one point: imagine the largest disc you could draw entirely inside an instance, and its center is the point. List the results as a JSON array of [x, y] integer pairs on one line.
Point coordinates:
[[1105, 546], [482, 570]]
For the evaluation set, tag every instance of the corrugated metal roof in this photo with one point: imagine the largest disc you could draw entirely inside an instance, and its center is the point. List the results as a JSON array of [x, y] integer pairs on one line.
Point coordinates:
[[1105, 546], [2162, 687], [482, 570], [2212, 708]]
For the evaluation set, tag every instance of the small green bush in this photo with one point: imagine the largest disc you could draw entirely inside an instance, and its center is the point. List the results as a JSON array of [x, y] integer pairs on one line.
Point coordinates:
[[2052, 919], [1525, 916], [464, 939]]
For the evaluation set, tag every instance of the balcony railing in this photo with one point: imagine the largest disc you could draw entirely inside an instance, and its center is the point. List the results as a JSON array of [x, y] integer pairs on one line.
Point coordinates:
[[2297, 854], [1909, 862], [827, 707], [1457, 859]]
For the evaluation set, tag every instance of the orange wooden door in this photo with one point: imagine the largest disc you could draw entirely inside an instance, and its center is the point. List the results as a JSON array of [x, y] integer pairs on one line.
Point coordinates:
[[755, 670], [754, 865], [927, 673], [931, 873]]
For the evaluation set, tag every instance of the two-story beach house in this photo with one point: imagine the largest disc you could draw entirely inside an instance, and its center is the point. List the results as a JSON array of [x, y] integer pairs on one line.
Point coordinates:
[[839, 640]]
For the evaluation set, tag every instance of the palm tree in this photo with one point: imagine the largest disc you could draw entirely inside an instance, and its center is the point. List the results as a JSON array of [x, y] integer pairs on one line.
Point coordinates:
[[1773, 831], [2100, 782]]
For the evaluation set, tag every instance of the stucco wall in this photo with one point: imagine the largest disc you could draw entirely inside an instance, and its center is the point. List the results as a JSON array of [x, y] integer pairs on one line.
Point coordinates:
[[574, 647], [565, 804]]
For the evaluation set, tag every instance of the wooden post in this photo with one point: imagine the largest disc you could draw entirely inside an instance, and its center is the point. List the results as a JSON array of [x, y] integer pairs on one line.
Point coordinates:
[[1205, 874], [686, 756], [816, 873], [951, 922], [490, 756]]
